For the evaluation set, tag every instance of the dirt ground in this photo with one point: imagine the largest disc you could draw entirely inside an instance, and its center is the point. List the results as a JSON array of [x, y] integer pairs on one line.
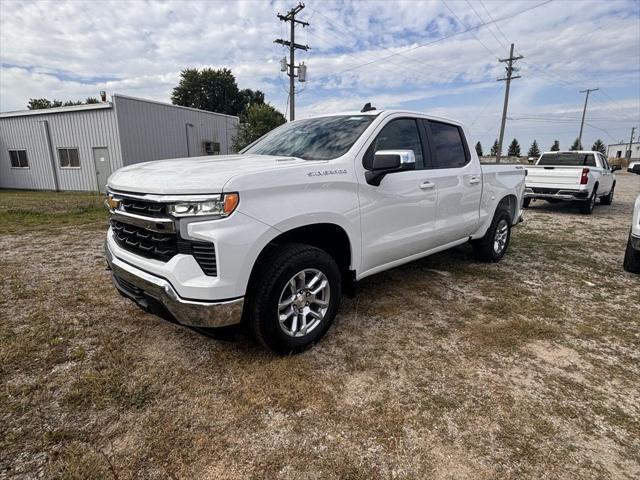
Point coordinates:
[[444, 368]]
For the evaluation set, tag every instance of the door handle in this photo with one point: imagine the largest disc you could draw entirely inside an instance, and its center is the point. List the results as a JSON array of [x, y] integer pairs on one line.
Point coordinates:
[[427, 185], [474, 180]]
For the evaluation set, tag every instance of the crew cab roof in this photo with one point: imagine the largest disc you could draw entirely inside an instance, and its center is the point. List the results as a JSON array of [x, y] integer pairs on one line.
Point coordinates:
[[389, 112]]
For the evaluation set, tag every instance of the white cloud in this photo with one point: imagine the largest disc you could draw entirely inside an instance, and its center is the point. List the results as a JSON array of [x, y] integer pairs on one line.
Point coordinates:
[[70, 50]]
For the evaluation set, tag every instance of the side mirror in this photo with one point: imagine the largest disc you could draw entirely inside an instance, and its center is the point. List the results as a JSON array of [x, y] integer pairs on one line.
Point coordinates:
[[634, 167], [615, 167], [389, 161]]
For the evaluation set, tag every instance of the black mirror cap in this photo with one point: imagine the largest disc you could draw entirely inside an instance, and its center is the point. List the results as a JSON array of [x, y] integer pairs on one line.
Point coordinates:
[[389, 161], [384, 161], [615, 168]]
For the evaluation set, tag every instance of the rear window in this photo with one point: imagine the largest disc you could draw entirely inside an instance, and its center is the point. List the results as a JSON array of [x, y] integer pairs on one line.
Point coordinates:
[[568, 159]]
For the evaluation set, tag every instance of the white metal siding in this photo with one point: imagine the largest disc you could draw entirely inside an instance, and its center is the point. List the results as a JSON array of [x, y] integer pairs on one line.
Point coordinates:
[[75, 129], [155, 131]]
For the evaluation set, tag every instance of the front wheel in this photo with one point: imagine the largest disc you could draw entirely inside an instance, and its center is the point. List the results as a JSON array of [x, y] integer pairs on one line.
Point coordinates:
[[493, 246], [295, 299], [631, 258]]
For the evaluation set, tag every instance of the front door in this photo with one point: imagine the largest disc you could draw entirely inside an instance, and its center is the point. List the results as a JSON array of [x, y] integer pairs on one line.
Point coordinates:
[[103, 167], [398, 216]]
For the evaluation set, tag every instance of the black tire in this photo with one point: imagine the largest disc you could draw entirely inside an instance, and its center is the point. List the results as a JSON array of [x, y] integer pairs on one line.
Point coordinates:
[[631, 258], [587, 206], [484, 248], [273, 275], [608, 200], [526, 203]]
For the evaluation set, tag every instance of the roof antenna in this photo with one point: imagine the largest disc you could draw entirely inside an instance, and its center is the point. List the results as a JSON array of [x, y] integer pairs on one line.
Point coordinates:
[[367, 107]]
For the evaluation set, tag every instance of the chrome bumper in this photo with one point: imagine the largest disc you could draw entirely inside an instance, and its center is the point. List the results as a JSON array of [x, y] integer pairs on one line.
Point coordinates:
[[560, 195], [157, 296]]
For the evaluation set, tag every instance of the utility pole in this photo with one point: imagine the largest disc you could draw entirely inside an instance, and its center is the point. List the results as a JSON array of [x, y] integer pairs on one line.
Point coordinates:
[[510, 69], [633, 131], [584, 111], [291, 68]]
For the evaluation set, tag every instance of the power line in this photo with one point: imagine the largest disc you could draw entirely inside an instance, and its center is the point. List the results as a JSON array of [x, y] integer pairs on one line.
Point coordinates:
[[465, 26], [489, 29], [437, 40]]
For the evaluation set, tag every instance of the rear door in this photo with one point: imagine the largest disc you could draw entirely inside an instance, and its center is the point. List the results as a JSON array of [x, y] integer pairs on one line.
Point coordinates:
[[399, 215], [457, 179]]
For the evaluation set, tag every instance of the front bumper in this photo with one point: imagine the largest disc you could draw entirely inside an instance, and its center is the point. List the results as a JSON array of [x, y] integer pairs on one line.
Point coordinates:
[[156, 295], [556, 193]]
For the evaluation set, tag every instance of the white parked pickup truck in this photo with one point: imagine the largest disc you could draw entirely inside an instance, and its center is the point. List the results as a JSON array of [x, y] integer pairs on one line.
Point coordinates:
[[272, 237], [581, 176], [632, 253]]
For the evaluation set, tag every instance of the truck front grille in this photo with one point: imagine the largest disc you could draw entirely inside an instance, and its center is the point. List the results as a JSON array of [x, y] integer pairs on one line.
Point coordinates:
[[164, 246], [160, 246], [143, 207]]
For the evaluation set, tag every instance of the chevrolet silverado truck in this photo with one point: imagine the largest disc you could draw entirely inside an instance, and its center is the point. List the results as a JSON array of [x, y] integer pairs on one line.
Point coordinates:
[[272, 237], [632, 253], [577, 176]]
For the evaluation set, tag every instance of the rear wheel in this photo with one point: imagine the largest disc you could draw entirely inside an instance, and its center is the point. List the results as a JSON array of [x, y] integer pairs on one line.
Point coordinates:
[[588, 206], [493, 246], [631, 258], [296, 297], [608, 200]]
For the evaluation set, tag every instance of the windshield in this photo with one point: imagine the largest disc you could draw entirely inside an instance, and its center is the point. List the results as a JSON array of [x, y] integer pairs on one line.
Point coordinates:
[[568, 159], [321, 138]]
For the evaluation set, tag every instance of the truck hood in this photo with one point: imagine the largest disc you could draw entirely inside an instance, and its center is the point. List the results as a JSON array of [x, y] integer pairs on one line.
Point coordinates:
[[195, 175]]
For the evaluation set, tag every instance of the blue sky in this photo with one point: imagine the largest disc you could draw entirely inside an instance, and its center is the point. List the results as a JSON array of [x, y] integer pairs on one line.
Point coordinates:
[[419, 55]]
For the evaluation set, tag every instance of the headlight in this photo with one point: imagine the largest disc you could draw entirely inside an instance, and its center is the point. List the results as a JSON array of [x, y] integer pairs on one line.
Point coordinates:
[[220, 207]]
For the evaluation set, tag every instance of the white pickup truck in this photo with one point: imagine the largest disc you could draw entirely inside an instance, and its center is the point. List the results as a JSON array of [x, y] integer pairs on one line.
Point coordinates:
[[632, 253], [272, 237], [581, 176]]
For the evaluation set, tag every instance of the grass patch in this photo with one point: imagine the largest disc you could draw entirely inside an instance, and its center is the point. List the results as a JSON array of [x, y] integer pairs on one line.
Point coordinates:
[[28, 211]]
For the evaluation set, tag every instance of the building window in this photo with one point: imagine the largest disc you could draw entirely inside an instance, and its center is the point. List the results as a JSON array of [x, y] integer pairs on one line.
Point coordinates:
[[618, 153], [69, 157], [18, 159]]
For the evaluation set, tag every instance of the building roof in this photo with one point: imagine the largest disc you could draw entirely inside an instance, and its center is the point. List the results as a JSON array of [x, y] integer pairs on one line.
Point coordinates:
[[622, 144], [101, 105], [48, 111]]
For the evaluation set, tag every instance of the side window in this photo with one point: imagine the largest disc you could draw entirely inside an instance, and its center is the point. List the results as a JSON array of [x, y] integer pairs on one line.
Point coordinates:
[[449, 146], [590, 160], [18, 159], [398, 134], [605, 162], [69, 157]]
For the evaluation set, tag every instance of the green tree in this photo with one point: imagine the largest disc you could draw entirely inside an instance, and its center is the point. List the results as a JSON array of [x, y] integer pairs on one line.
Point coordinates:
[[556, 146], [598, 146], [577, 145], [514, 148], [42, 103], [534, 150], [494, 149], [214, 91], [38, 104], [259, 119], [479, 149]]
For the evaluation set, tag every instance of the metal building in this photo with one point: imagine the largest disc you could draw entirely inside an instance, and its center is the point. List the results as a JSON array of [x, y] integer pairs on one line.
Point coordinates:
[[77, 148]]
